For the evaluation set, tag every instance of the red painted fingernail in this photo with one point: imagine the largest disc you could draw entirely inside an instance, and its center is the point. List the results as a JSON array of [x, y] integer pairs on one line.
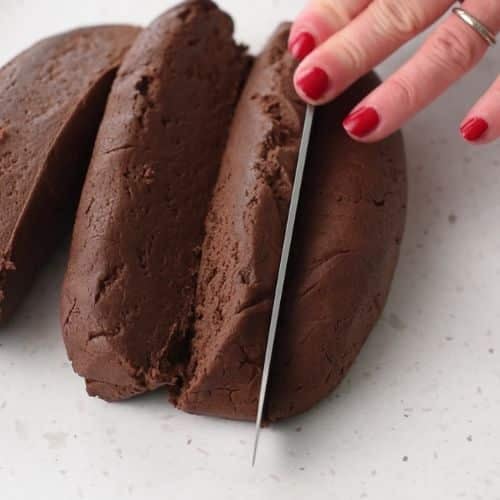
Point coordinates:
[[361, 122], [313, 83], [474, 129], [301, 45]]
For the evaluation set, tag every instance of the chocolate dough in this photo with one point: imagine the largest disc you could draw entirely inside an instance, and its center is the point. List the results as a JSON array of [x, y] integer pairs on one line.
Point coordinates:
[[128, 295], [52, 97], [171, 281], [241, 252], [346, 245], [349, 231]]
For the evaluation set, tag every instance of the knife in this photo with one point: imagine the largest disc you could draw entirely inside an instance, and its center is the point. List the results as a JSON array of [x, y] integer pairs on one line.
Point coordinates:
[[285, 253]]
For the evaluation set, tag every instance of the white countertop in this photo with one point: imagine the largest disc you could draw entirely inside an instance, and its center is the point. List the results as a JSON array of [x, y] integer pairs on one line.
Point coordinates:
[[418, 416]]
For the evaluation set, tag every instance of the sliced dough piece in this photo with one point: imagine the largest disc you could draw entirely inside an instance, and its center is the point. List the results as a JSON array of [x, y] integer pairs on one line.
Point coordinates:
[[52, 97], [346, 245], [128, 294], [348, 239], [241, 251]]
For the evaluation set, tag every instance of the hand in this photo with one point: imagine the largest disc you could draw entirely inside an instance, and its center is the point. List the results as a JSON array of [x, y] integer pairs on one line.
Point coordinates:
[[338, 41]]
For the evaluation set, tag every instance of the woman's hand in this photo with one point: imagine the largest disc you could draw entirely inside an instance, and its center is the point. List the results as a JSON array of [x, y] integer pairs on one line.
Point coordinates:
[[338, 41]]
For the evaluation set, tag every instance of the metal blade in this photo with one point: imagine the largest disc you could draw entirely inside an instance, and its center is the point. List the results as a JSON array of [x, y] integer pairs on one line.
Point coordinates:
[[285, 252]]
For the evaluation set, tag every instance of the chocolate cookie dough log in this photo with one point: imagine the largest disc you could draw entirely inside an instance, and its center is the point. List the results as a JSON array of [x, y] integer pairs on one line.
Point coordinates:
[[348, 235], [345, 249], [128, 294], [52, 97], [241, 252]]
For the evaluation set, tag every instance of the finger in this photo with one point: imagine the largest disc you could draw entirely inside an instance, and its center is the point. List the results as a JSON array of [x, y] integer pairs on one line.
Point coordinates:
[[370, 38], [318, 21], [482, 124], [450, 51]]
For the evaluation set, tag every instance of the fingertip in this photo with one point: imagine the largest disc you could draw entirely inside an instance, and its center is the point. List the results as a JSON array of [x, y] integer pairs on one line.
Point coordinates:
[[301, 45], [308, 31], [312, 84], [361, 122], [363, 140], [368, 139], [474, 130]]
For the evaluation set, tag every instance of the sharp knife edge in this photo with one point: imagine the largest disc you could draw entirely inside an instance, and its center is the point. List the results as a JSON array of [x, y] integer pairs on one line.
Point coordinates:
[[285, 253]]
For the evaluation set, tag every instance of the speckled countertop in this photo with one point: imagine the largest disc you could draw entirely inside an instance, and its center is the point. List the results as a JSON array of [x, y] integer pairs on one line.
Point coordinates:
[[417, 417]]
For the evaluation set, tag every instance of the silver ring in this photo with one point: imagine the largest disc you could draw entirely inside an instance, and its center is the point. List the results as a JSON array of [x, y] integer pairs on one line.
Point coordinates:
[[476, 25]]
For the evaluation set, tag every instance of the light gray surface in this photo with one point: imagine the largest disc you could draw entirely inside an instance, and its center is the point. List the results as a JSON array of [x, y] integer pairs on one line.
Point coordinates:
[[426, 386]]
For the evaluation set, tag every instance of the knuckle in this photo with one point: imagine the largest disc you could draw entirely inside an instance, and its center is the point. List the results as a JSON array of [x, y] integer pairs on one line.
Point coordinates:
[[352, 54], [336, 10], [404, 90], [453, 51], [401, 20]]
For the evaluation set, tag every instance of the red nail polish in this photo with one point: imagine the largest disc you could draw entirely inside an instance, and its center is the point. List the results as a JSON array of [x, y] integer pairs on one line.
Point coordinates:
[[361, 122], [474, 129], [301, 45], [313, 83]]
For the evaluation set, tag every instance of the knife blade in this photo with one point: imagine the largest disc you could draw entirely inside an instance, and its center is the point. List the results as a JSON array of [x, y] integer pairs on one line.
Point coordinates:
[[285, 253]]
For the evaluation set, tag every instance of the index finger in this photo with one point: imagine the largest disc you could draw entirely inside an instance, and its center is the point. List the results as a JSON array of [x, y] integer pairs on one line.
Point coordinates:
[[383, 27], [319, 21]]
